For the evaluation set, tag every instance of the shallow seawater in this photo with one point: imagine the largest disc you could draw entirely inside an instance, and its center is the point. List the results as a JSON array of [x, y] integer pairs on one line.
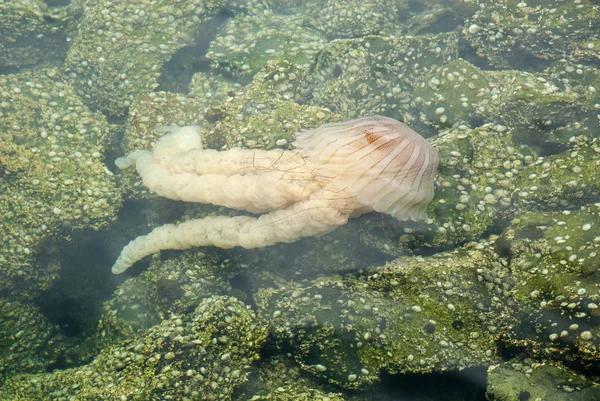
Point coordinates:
[[277, 269]]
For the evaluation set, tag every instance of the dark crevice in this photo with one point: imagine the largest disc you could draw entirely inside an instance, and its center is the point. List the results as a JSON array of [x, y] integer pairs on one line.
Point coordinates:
[[176, 75], [469, 54], [242, 283], [444, 23], [467, 385], [74, 301], [57, 3]]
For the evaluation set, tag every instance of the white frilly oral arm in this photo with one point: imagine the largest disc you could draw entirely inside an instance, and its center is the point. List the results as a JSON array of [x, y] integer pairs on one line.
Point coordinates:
[[302, 219], [256, 193]]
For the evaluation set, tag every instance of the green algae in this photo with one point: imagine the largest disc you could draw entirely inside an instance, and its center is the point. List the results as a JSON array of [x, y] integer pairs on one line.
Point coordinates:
[[247, 42], [412, 315], [109, 69], [196, 356], [528, 34], [34, 34], [53, 174], [518, 380]]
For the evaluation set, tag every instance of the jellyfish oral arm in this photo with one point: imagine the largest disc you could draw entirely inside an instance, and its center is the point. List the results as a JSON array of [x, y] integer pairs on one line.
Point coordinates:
[[302, 219]]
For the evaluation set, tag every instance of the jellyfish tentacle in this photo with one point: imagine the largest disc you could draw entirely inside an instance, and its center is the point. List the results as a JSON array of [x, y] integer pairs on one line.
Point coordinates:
[[302, 219]]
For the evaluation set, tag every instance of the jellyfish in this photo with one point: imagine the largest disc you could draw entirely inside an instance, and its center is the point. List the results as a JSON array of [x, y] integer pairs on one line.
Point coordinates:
[[333, 173]]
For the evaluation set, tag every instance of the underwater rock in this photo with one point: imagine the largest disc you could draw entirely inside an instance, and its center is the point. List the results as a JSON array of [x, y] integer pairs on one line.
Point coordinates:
[[203, 355], [267, 112], [414, 314], [353, 18], [565, 180], [479, 169], [457, 93], [166, 288], [377, 74], [109, 69], [528, 35], [28, 342], [264, 114], [544, 110], [280, 379], [530, 380], [554, 258], [34, 34], [155, 109], [248, 41], [53, 177]]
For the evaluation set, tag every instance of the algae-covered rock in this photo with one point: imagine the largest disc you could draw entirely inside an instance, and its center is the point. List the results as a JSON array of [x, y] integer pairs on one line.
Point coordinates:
[[413, 315], [121, 46], [27, 340], [525, 35], [555, 261], [281, 379], [155, 109], [34, 34], [539, 107], [203, 355], [353, 18], [545, 110], [564, 180], [377, 74], [247, 42], [517, 381], [53, 176], [211, 89], [167, 287], [478, 171], [266, 114], [452, 94]]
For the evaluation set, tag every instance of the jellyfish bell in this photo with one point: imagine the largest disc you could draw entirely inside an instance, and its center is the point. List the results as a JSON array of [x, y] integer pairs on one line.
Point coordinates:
[[382, 162]]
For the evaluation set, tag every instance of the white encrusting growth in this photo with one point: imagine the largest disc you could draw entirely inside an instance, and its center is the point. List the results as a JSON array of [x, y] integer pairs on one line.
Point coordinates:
[[340, 170]]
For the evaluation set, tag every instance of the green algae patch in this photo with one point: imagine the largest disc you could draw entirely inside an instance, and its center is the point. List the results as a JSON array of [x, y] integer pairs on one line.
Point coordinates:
[[376, 74], [248, 42], [538, 381], [412, 315], [197, 356], [525, 35], [54, 177], [120, 47]]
